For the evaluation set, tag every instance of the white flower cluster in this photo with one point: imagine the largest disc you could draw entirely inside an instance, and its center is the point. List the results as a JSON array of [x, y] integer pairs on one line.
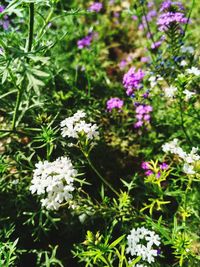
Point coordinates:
[[189, 159], [141, 242], [170, 91], [54, 181], [75, 125], [195, 71]]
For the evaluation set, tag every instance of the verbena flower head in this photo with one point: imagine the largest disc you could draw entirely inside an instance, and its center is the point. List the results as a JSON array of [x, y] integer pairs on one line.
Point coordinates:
[[54, 182], [169, 5], [143, 242], [95, 7], [76, 125], [85, 42], [166, 20], [132, 80], [114, 103]]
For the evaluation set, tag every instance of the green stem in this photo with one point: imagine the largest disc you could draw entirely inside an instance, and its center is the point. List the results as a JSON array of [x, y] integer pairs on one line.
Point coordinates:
[[19, 94], [100, 176], [106, 259], [29, 47], [182, 123], [46, 23], [31, 27]]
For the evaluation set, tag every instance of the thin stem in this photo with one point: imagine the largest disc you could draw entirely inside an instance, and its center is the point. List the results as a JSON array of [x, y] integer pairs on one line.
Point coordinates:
[[188, 19], [46, 23], [29, 47], [31, 27], [19, 94], [100, 176], [182, 123]]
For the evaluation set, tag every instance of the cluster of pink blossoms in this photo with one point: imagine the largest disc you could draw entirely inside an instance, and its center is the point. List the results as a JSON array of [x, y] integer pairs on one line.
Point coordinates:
[[142, 115], [132, 80], [148, 170], [114, 103], [95, 7]]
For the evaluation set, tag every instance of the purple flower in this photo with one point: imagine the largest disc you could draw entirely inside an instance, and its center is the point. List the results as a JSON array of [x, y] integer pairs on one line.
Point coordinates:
[[145, 59], [148, 173], [164, 166], [145, 165], [122, 64], [151, 14], [168, 4], [134, 17], [142, 114], [95, 7], [114, 102], [138, 124], [5, 21], [156, 45], [147, 117], [85, 42], [148, 109], [168, 19], [132, 80]]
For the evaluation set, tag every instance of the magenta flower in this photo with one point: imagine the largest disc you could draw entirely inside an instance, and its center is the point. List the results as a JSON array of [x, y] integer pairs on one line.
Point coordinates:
[[138, 124], [148, 173], [145, 165], [114, 103], [85, 42], [164, 166], [95, 7], [132, 80], [142, 114]]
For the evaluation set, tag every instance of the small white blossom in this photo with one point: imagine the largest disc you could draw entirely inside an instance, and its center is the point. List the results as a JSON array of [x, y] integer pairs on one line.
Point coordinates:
[[188, 94], [54, 181], [76, 125], [170, 91], [141, 242], [187, 49], [188, 159], [194, 71], [188, 169], [154, 79], [183, 63]]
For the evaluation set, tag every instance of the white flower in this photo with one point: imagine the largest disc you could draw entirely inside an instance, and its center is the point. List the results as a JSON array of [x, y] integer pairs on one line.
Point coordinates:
[[154, 79], [183, 63], [75, 125], [187, 49], [194, 71], [188, 169], [141, 242], [170, 146], [188, 94], [188, 159], [170, 91], [54, 181]]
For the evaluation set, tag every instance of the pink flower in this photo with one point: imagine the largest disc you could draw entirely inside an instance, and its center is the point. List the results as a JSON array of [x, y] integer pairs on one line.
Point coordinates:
[[132, 80], [114, 103], [95, 7], [145, 165]]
